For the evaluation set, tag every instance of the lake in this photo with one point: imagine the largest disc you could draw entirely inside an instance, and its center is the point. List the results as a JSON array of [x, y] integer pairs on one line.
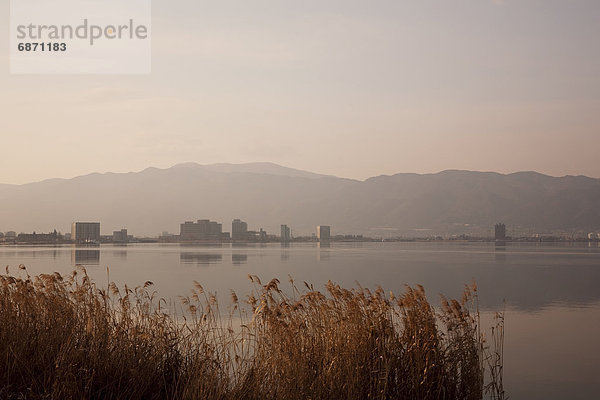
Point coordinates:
[[551, 292]]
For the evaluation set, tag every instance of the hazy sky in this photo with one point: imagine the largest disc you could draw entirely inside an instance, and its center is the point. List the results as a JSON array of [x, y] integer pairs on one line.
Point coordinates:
[[350, 88]]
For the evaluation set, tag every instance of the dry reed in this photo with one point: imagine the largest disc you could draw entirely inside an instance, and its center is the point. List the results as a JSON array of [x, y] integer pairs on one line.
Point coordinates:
[[65, 338]]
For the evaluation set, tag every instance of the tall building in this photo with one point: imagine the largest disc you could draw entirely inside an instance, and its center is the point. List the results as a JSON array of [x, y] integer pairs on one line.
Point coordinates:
[[323, 233], [500, 232], [239, 230], [286, 233], [82, 232], [120, 236], [204, 229]]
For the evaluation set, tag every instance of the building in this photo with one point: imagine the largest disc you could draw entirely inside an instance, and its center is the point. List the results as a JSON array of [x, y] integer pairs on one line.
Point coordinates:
[[120, 236], [39, 237], [239, 230], [204, 229], [85, 232], [323, 233], [500, 232], [286, 233]]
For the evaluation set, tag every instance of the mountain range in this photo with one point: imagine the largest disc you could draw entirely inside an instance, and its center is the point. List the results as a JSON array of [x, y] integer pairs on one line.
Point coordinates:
[[267, 195]]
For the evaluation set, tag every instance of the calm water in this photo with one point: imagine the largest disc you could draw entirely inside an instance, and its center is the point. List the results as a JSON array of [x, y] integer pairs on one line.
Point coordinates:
[[551, 292]]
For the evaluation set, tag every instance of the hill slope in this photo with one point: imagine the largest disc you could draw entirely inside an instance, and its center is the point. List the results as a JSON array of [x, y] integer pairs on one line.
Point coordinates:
[[267, 195]]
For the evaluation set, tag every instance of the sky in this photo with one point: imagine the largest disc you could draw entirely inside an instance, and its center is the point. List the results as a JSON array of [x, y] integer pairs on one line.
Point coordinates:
[[348, 88]]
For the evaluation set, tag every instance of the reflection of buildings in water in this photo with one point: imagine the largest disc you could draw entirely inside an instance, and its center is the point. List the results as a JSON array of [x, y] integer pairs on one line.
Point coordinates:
[[200, 244], [500, 251], [238, 259], [200, 258], [285, 254], [120, 254], [323, 253], [32, 254], [85, 257]]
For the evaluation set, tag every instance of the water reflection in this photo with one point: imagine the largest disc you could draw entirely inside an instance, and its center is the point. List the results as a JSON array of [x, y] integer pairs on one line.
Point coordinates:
[[85, 257], [120, 254], [201, 244], [530, 277], [324, 253], [200, 258], [238, 259], [35, 252]]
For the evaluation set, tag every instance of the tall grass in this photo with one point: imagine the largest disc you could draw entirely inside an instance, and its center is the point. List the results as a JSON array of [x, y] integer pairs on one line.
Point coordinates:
[[66, 338]]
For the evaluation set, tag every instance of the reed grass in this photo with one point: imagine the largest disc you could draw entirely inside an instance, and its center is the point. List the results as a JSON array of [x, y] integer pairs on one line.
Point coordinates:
[[66, 338]]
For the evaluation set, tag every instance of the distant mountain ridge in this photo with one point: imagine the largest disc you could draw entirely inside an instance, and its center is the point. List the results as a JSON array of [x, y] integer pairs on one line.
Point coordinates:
[[256, 168], [267, 195]]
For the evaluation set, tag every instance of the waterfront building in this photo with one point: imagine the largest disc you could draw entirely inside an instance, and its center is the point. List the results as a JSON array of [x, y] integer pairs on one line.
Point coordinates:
[[38, 237], [203, 229], [82, 232], [323, 233], [500, 232], [120, 236], [239, 230], [286, 233]]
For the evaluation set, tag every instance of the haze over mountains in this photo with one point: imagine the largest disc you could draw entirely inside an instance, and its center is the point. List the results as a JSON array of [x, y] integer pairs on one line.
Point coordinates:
[[267, 195]]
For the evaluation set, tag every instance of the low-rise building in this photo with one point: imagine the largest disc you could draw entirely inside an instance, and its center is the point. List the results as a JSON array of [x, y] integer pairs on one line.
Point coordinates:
[[203, 229], [120, 236]]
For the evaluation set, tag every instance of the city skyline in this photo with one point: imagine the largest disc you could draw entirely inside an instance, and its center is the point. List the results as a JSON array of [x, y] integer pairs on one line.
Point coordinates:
[[451, 202]]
